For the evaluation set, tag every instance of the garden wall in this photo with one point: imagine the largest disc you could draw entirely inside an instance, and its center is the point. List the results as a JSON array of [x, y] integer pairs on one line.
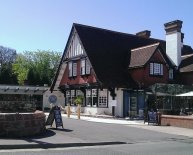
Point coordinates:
[[178, 121], [22, 124]]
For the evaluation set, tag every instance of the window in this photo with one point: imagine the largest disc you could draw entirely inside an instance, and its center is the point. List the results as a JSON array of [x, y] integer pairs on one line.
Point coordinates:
[[70, 69], [80, 93], [156, 69], [74, 69], [91, 97], [72, 96], [88, 97], [94, 97], [171, 74], [83, 62], [102, 98], [68, 97], [87, 67]]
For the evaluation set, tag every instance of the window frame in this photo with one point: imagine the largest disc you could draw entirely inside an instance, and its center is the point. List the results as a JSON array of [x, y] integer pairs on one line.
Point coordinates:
[[72, 69], [156, 69], [103, 96], [70, 64], [82, 66], [87, 67]]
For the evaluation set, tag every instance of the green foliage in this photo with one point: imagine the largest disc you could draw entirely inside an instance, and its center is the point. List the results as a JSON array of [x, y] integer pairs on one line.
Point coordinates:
[[78, 99], [7, 57], [21, 68], [36, 67], [6, 75]]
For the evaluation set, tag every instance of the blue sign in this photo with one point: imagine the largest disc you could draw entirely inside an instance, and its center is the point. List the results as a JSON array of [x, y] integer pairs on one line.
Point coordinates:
[[52, 98]]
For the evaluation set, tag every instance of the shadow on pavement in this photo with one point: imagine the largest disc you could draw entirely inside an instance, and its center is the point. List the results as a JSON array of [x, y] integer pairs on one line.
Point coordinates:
[[47, 133], [59, 129]]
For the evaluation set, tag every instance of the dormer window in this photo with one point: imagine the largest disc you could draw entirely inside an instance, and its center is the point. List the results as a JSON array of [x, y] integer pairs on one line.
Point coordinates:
[[85, 67], [156, 69], [72, 69]]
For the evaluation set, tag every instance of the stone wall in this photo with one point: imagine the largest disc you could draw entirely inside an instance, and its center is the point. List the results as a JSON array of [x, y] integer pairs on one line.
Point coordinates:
[[22, 124], [178, 121]]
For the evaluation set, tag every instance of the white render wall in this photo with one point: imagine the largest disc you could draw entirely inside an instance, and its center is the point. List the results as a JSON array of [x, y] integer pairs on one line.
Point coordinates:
[[119, 100], [105, 111], [174, 46], [90, 110]]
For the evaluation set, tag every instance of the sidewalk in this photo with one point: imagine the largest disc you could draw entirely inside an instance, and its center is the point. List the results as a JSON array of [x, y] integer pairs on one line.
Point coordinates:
[[139, 124], [67, 138]]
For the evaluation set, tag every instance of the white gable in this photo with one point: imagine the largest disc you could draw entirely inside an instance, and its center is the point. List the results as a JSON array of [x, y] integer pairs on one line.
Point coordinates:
[[74, 48]]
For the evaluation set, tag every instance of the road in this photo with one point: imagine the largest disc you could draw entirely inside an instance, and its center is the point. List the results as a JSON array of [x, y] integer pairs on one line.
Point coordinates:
[[111, 139], [150, 148]]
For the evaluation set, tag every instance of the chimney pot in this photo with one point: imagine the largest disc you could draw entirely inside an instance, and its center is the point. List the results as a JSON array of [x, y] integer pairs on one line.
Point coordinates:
[[173, 26], [144, 34]]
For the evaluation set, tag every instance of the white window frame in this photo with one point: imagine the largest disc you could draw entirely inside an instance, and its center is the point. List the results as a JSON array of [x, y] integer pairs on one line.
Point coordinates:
[[74, 68], [70, 69], [94, 94], [103, 98], [156, 69], [83, 67], [88, 68], [72, 95], [88, 95]]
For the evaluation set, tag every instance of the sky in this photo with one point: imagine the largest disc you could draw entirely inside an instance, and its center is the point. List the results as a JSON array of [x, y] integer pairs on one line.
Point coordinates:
[[30, 25]]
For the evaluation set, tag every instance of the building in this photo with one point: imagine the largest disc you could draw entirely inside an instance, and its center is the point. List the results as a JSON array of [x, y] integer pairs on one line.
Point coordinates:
[[21, 98], [113, 70]]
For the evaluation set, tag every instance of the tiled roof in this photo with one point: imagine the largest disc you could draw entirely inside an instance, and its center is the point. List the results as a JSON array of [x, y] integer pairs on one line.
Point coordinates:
[[140, 56], [186, 64], [109, 53], [186, 50]]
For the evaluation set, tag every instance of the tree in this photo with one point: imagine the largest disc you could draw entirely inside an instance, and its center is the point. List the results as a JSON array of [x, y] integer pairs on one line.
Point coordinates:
[[7, 76], [21, 68], [7, 57], [36, 67]]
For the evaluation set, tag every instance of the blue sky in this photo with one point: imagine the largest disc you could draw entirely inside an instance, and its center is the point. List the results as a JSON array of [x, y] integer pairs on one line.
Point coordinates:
[[28, 25]]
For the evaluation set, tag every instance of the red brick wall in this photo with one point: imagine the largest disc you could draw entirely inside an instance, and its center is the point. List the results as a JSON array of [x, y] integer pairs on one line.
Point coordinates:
[[78, 79], [178, 121], [142, 76], [24, 124]]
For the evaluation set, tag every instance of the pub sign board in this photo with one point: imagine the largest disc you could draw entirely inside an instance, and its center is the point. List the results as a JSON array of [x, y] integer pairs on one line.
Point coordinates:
[[55, 114]]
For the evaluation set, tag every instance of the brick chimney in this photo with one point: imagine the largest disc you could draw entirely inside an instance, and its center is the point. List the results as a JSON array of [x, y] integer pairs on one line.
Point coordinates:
[[174, 40], [144, 34]]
